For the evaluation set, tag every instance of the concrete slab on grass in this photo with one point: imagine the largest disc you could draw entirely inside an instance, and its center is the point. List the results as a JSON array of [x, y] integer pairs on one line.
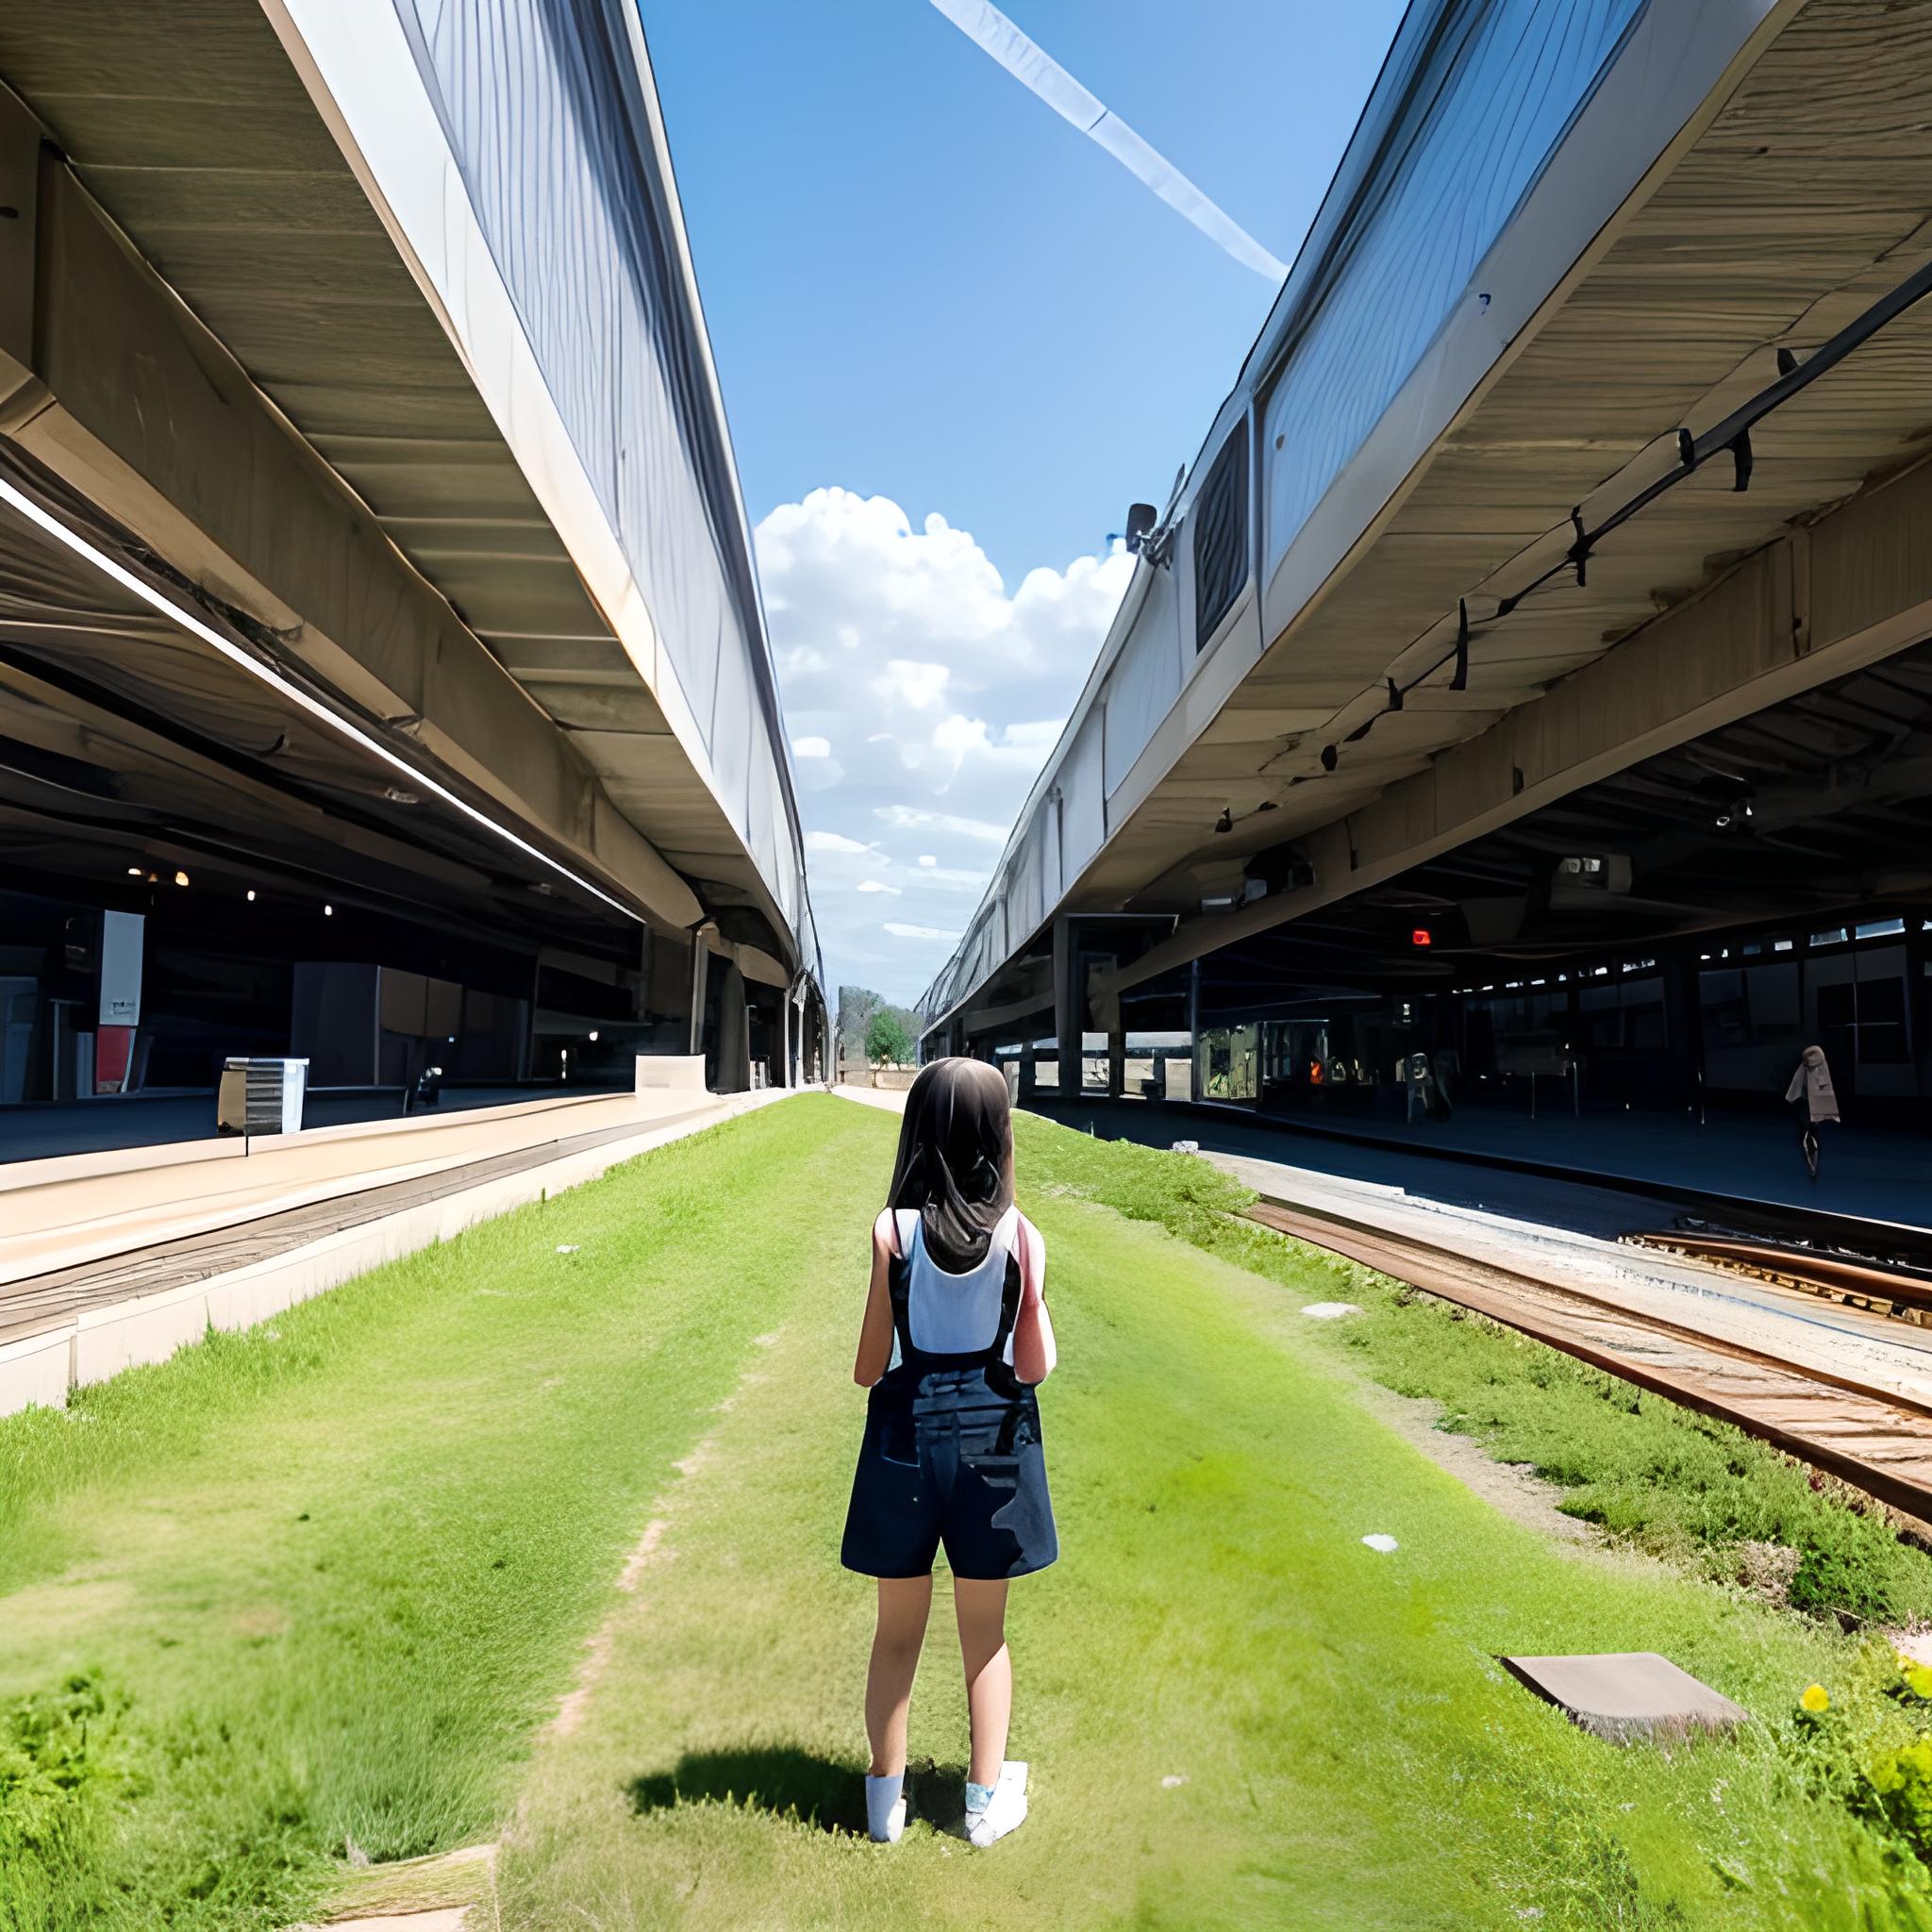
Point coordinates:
[[1628, 1697]]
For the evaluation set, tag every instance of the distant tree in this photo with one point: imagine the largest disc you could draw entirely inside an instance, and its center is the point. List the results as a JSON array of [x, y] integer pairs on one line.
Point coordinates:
[[857, 1004], [888, 1040]]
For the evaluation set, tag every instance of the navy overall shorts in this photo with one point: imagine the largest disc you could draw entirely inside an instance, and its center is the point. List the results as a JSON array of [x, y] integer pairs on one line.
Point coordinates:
[[952, 1455]]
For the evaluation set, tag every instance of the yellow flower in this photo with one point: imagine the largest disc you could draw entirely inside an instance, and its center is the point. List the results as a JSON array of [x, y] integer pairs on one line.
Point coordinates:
[[1816, 1698]]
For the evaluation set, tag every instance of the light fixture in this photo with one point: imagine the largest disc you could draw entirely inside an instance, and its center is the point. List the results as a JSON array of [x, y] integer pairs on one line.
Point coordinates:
[[1422, 936], [251, 895], [180, 878], [134, 872], [291, 693], [328, 911], [594, 1033]]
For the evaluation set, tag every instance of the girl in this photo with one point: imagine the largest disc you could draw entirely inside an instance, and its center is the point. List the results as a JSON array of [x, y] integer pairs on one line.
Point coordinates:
[[956, 1335]]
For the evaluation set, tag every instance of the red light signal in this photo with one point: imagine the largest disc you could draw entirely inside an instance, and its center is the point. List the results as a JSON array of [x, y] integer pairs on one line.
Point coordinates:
[[1421, 937]]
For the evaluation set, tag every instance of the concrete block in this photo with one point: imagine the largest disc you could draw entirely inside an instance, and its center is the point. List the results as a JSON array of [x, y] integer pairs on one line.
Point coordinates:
[[243, 1298], [106, 1340], [1627, 1697], [681, 1073], [35, 1371]]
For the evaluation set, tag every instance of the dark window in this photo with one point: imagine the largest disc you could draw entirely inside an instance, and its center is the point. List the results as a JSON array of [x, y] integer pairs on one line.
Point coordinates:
[[1882, 1023], [1624, 1018], [1221, 536]]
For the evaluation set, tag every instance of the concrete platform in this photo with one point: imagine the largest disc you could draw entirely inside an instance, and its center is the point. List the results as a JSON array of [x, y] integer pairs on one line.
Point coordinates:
[[67, 1218], [41, 1130], [1555, 1167]]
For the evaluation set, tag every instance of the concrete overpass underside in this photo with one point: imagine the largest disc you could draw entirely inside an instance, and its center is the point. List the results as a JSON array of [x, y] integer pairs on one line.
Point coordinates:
[[1554, 604], [306, 598]]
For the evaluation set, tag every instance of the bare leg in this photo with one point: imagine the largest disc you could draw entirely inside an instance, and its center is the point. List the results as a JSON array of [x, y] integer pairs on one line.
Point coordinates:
[[904, 1602], [981, 1607]]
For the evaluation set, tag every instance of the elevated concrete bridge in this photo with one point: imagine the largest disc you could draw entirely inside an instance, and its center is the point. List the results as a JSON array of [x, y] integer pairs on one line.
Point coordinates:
[[373, 562], [1588, 426]]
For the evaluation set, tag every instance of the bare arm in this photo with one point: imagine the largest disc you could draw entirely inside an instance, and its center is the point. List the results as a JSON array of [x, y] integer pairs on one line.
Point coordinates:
[[875, 1332], [1033, 1347]]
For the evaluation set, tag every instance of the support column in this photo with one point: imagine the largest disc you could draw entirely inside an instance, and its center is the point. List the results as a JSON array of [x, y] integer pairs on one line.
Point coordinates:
[[1193, 1088], [700, 969], [1116, 1062], [641, 1005], [1067, 1008], [733, 1033]]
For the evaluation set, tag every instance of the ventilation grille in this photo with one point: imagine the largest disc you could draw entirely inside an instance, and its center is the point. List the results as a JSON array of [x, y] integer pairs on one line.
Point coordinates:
[[1221, 536]]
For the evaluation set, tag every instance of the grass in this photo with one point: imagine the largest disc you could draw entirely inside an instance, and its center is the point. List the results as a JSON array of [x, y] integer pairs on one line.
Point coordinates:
[[323, 1584], [332, 1574], [1237, 1716], [1660, 1477]]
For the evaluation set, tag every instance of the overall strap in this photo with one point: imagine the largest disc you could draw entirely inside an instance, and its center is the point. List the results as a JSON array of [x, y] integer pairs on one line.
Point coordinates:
[[1010, 1303], [899, 1279]]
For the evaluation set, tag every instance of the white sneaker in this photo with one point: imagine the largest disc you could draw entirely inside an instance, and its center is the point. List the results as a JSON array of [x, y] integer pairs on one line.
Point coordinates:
[[1005, 1811], [887, 1808]]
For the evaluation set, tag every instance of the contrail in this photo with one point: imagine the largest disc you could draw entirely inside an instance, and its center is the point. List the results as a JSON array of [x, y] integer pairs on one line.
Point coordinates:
[[1035, 69]]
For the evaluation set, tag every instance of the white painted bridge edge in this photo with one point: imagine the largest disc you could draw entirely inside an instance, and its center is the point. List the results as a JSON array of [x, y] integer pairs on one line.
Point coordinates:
[[100, 1342]]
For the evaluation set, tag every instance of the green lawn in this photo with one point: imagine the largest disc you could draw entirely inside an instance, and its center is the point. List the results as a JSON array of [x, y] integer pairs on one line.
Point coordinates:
[[343, 1566], [328, 1581]]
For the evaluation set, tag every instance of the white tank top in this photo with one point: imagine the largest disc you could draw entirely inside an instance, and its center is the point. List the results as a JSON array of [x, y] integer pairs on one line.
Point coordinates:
[[955, 1314]]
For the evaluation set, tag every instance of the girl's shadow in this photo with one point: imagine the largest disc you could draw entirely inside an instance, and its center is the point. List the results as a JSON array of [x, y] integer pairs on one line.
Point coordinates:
[[790, 1782]]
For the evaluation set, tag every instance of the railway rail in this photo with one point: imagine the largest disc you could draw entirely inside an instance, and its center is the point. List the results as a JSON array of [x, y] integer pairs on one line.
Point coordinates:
[[1879, 1441]]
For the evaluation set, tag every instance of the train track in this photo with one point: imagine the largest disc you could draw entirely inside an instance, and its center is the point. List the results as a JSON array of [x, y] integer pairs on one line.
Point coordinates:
[[1878, 1442], [1858, 1281]]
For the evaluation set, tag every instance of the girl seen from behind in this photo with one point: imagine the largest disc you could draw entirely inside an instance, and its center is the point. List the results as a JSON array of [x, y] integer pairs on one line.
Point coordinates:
[[956, 1335]]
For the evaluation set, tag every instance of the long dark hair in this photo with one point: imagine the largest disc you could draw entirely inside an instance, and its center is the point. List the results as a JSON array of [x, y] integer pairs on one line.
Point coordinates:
[[955, 1158]]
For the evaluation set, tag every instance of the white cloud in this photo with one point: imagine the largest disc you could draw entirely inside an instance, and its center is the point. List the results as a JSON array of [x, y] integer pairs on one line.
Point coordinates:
[[909, 682], [944, 694], [908, 818], [812, 747], [819, 840]]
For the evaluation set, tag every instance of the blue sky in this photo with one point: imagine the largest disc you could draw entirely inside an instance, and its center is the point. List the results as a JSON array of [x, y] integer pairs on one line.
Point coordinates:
[[927, 291]]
